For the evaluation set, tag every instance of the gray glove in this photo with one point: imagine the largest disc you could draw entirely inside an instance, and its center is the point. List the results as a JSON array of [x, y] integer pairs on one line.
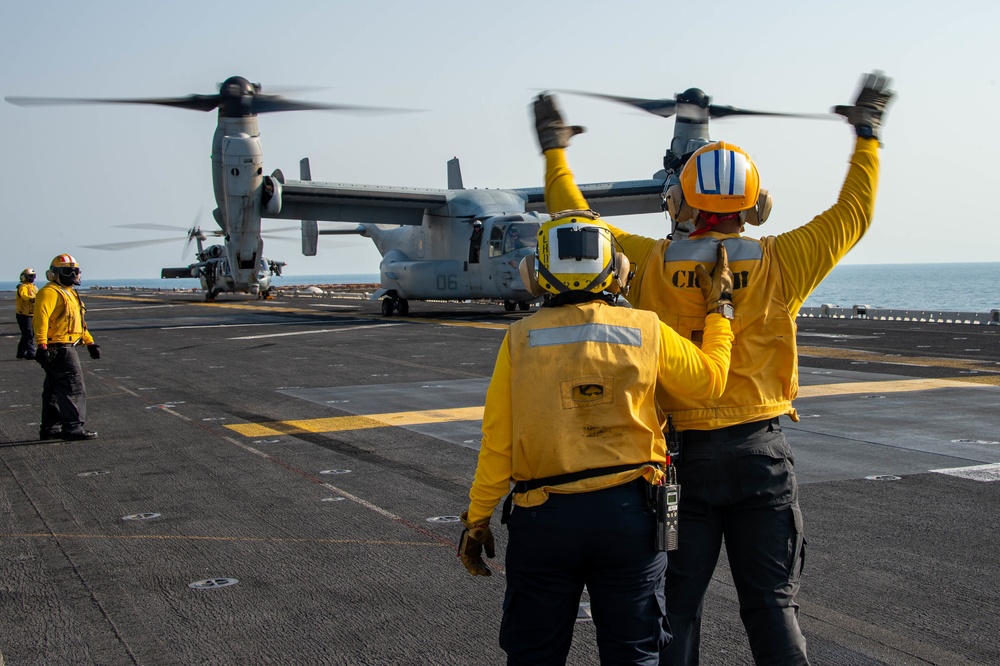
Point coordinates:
[[45, 356], [552, 131], [873, 98]]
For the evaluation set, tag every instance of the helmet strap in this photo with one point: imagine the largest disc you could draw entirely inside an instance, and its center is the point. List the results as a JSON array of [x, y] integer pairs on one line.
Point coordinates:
[[711, 220], [562, 288]]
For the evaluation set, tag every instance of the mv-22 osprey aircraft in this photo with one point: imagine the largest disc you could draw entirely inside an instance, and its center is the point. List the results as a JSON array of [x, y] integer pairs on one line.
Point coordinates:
[[211, 267], [436, 244], [466, 244]]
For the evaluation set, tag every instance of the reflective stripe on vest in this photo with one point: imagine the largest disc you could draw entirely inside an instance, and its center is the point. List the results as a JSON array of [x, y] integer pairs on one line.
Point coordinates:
[[565, 335], [704, 250]]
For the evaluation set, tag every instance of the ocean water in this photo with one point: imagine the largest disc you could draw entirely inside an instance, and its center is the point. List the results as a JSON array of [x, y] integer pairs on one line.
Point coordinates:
[[973, 287]]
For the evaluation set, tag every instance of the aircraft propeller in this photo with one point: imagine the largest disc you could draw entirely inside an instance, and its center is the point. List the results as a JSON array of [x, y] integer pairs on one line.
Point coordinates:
[[192, 234], [692, 104], [237, 98]]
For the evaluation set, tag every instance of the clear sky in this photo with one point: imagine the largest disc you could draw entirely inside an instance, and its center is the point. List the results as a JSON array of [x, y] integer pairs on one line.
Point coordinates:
[[71, 174]]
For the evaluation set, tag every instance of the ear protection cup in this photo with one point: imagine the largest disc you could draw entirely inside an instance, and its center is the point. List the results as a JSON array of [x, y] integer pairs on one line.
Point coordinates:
[[758, 214], [623, 272], [50, 275], [529, 277], [677, 207]]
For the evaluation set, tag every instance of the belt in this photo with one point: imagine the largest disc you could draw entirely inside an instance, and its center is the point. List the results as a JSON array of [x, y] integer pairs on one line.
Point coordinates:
[[63, 344], [533, 484], [738, 431]]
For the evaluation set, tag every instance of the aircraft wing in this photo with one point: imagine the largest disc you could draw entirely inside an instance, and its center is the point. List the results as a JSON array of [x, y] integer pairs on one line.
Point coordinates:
[[366, 204], [627, 197]]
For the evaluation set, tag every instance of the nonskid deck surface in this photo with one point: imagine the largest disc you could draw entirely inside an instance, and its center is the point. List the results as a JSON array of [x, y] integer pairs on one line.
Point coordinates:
[[277, 482]]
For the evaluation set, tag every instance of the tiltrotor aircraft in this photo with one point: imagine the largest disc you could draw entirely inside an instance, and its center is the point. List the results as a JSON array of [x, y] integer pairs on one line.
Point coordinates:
[[436, 244], [212, 267], [216, 275]]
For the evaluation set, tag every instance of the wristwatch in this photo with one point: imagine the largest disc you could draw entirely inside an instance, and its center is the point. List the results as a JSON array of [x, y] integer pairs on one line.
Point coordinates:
[[726, 310]]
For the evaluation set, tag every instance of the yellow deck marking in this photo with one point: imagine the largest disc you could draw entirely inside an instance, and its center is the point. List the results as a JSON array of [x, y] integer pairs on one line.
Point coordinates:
[[402, 419], [895, 386], [340, 423], [875, 357]]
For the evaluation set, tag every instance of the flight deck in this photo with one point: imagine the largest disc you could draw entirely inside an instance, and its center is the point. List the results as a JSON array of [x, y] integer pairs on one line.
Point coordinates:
[[279, 482]]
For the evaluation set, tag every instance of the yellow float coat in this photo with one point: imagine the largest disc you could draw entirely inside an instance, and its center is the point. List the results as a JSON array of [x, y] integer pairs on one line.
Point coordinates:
[[574, 388], [773, 277]]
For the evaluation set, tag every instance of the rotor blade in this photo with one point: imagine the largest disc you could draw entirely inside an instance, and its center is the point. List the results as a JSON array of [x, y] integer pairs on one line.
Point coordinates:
[[130, 244], [274, 104], [659, 107], [719, 111], [193, 102], [156, 227]]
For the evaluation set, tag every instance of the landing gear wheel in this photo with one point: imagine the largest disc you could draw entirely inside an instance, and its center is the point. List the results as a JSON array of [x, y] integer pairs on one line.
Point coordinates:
[[509, 306], [403, 307], [523, 305], [387, 306]]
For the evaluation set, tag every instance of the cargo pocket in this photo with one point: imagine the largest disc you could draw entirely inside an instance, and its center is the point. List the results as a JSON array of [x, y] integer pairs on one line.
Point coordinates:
[[797, 549]]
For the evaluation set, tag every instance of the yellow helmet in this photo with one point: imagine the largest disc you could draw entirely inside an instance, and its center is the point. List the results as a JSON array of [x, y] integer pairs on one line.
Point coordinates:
[[575, 253], [720, 178], [64, 261], [27, 275], [64, 270]]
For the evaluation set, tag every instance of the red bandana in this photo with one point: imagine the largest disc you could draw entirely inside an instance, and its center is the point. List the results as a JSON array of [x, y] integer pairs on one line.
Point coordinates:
[[710, 221]]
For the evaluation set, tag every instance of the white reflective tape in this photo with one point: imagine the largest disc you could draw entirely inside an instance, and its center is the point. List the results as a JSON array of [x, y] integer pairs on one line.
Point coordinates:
[[722, 172], [565, 335], [705, 250]]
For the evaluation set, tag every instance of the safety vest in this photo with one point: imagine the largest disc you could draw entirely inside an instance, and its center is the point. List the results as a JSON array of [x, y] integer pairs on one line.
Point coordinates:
[[26, 298], [583, 382], [59, 316], [763, 374]]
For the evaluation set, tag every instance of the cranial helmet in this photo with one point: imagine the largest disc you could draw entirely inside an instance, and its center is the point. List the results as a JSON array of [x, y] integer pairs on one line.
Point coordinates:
[[64, 270], [575, 253], [719, 178], [27, 275]]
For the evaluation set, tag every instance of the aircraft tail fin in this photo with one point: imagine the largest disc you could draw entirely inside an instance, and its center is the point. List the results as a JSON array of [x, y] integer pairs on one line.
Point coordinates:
[[310, 228], [455, 175]]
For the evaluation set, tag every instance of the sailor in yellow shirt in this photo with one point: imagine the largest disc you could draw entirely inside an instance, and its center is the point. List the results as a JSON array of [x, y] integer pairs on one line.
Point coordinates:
[[59, 328], [736, 469], [25, 308], [571, 420]]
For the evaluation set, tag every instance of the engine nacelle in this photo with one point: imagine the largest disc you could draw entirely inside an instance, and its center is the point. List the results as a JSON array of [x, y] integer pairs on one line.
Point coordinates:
[[242, 164], [270, 196]]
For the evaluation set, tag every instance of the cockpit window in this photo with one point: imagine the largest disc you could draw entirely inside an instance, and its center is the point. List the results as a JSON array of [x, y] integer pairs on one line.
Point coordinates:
[[513, 235], [520, 235]]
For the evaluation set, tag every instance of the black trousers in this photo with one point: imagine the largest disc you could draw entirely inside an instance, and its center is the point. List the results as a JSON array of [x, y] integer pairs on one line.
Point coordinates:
[[738, 484], [64, 397], [26, 345], [604, 540]]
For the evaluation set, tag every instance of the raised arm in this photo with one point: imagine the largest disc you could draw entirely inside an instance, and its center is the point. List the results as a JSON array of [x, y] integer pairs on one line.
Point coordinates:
[[809, 253]]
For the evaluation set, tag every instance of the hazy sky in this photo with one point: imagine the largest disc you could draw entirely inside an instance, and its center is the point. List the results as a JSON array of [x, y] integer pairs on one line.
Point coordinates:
[[70, 174]]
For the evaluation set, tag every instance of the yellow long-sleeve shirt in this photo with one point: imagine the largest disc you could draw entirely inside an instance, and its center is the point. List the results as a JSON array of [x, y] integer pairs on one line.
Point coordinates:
[[575, 388], [59, 316], [773, 277], [26, 292]]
